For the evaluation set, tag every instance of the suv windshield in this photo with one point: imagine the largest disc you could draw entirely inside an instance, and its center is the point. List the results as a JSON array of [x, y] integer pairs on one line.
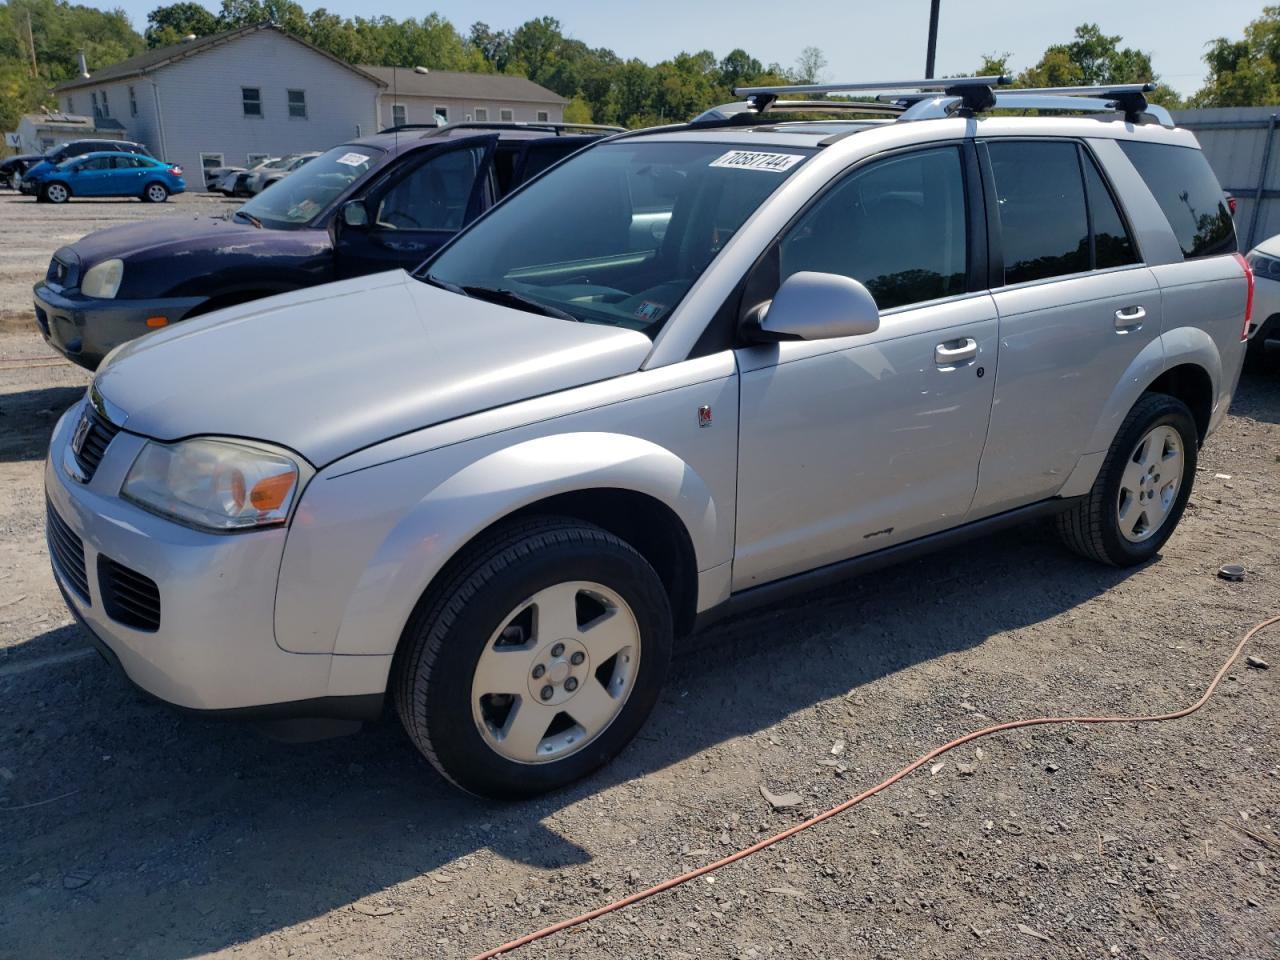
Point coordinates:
[[618, 234], [297, 199]]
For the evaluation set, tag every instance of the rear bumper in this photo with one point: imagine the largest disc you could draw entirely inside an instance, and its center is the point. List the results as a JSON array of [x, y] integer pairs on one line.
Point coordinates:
[[85, 330]]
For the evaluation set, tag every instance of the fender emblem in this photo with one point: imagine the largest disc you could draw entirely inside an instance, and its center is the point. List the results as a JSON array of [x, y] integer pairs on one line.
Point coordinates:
[[704, 416], [82, 431]]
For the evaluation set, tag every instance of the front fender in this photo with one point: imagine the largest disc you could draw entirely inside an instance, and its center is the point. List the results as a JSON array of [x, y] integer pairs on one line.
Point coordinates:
[[466, 495]]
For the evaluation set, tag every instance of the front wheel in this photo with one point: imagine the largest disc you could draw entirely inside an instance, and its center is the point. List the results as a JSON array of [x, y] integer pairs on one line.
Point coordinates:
[[155, 193], [537, 659], [56, 193], [1141, 490]]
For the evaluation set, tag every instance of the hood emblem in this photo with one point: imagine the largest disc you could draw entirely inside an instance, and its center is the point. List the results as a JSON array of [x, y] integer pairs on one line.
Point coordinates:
[[82, 431]]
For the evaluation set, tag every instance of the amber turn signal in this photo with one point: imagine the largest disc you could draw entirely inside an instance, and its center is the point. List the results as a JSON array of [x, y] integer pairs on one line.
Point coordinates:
[[270, 492], [157, 321]]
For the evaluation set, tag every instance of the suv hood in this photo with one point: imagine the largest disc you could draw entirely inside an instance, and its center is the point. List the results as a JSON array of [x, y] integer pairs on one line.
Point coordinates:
[[332, 369], [190, 233]]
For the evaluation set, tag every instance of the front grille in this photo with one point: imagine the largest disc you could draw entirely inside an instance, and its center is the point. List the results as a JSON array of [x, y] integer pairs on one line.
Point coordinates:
[[127, 596], [66, 550], [42, 319], [98, 436]]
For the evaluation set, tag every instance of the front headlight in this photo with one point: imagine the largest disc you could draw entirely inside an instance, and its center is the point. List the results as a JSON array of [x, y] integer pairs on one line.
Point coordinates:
[[1264, 266], [103, 280], [219, 485]]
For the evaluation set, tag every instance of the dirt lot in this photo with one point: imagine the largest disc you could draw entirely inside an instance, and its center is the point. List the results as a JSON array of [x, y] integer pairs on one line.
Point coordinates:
[[130, 830]]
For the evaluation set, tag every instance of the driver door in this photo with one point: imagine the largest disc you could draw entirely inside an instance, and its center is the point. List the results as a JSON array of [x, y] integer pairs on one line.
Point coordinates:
[[429, 196]]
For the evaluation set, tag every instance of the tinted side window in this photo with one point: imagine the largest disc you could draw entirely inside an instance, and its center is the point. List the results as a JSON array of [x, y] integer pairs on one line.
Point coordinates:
[[1189, 194], [435, 195], [1112, 245], [898, 226], [1043, 225]]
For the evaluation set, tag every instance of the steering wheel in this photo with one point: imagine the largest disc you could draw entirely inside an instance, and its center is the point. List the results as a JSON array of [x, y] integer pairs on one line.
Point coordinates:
[[392, 217]]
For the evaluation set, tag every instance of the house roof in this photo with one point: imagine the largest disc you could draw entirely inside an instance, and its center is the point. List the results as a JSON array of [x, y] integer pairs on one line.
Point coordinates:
[[73, 123], [151, 60], [463, 86]]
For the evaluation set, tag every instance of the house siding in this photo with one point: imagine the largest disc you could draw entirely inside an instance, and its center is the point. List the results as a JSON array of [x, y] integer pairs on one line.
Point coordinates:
[[419, 109], [202, 111]]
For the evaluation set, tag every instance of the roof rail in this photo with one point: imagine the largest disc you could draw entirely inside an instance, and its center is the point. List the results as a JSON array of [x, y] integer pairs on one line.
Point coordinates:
[[745, 113], [557, 128]]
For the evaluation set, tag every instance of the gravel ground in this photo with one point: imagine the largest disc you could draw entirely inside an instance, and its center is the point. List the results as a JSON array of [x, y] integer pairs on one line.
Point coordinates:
[[130, 830]]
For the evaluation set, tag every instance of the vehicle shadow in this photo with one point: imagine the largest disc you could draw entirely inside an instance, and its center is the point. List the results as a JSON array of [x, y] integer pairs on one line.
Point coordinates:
[[1258, 395], [27, 419], [186, 836]]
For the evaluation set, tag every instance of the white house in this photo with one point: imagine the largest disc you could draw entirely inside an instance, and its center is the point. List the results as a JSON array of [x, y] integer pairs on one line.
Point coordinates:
[[231, 98], [414, 96], [42, 132]]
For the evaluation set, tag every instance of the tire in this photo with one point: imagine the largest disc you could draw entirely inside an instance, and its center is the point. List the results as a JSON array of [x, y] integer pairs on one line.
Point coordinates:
[[155, 193], [486, 607], [1102, 525], [56, 192]]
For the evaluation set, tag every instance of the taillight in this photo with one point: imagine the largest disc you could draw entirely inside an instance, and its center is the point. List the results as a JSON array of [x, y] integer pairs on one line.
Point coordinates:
[[1231, 204], [1248, 303], [176, 170]]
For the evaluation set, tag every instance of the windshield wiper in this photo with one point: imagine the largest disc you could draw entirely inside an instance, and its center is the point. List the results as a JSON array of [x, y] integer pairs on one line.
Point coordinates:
[[445, 285], [510, 298], [250, 217]]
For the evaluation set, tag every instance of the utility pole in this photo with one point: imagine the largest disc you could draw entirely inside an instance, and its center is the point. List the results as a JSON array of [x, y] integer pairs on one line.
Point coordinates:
[[31, 41], [932, 50]]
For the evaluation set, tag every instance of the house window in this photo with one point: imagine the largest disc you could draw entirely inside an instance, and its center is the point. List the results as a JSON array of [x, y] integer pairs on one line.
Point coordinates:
[[93, 97], [71, 105], [106, 107], [442, 113], [506, 115], [208, 162], [251, 97], [298, 104], [133, 103], [482, 113], [397, 115], [543, 116]]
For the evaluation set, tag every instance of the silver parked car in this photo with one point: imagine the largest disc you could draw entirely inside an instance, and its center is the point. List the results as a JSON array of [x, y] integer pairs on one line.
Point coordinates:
[[262, 177], [682, 372]]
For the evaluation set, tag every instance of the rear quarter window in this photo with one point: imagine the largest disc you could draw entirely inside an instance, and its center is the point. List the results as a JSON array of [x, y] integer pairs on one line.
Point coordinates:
[[1189, 194]]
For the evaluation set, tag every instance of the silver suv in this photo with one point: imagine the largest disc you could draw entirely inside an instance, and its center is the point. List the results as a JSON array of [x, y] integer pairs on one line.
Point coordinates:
[[684, 371]]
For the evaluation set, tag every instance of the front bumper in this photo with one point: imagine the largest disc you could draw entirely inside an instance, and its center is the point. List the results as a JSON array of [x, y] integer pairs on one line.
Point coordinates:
[[85, 330], [214, 648]]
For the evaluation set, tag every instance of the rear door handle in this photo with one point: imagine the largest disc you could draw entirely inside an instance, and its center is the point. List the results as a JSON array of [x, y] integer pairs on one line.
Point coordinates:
[[955, 352], [1130, 318]]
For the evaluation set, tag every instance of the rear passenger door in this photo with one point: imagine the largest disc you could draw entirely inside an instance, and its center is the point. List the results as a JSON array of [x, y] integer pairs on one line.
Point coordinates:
[[855, 444], [1076, 307]]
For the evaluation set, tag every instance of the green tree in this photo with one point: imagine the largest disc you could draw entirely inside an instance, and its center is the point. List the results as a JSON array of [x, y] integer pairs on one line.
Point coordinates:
[[1245, 72], [166, 25], [811, 66], [577, 110]]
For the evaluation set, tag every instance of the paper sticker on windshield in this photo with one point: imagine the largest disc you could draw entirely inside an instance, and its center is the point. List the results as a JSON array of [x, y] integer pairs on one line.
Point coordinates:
[[750, 160], [650, 311], [353, 159]]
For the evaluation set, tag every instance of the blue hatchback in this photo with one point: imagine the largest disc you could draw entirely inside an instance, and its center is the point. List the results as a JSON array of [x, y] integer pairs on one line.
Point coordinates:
[[107, 174]]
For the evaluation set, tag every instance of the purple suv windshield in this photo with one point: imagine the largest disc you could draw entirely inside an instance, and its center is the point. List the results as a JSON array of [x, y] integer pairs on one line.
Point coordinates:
[[297, 199]]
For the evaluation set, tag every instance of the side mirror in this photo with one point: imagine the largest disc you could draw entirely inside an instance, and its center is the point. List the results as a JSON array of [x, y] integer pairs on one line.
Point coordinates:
[[815, 306], [355, 213]]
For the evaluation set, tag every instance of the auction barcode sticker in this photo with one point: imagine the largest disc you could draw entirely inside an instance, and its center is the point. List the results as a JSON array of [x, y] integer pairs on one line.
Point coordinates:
[[353, 159], [750, 160]]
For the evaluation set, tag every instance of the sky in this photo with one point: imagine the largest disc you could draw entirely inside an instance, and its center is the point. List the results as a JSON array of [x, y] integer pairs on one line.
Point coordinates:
[[881, 40]]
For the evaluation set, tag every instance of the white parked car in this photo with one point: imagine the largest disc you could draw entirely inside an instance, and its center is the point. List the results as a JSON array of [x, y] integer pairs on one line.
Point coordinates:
[[1264, 332], [682, 372]]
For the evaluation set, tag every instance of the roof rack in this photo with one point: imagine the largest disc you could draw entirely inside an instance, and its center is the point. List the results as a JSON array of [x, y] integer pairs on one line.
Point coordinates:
[[945, 97]]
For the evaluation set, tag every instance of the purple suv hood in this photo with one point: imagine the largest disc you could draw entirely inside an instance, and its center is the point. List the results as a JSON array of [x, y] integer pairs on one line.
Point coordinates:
[[332, 369], [128, 239]]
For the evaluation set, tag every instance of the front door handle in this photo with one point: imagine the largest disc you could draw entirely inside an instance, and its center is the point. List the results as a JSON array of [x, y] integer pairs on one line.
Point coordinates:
[[955, 352], [1130, 318]]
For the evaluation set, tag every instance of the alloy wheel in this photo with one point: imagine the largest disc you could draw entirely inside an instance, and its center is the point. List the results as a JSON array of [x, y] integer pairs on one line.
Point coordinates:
[[56, 192], [156, 193], [1150, 483], [556, 672]]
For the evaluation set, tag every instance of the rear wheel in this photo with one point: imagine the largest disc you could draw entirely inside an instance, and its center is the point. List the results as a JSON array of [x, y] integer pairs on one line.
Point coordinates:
[[155, 193], [1142, 488], [538, 658], [56, 193]]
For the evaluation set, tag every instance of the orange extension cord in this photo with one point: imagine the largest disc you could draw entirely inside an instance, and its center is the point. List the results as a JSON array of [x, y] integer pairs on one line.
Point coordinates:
[[854, 801]]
